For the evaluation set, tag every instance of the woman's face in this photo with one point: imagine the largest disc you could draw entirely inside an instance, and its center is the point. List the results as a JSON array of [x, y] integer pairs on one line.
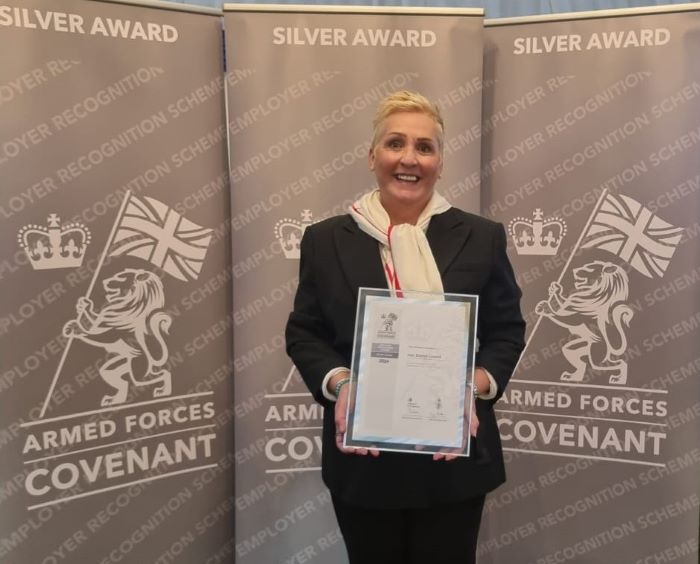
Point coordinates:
[[406, 160]]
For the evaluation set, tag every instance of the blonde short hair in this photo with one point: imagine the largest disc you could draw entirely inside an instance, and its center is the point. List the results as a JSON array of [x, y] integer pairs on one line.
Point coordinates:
[[406, 101]]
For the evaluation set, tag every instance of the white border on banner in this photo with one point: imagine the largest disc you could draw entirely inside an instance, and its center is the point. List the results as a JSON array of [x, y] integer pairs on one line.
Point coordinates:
[[595, 14], [345, 9], [162, 5]]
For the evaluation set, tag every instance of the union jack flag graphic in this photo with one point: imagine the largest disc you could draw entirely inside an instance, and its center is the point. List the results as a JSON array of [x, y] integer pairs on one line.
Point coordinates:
[[152, 231], [629, 230]]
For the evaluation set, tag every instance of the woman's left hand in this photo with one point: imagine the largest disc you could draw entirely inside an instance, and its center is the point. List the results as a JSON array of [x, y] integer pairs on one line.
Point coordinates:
[[481, 381]]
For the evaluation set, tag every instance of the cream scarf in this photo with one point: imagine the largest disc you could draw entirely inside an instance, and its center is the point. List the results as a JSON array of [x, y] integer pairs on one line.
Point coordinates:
[[408, 261]]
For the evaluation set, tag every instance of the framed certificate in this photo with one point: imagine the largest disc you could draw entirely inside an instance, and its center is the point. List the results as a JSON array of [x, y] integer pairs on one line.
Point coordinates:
[[412, 372]]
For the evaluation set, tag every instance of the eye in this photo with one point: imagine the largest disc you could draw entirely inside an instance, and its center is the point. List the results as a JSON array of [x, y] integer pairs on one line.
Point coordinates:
[[425, 148], [394, 143]]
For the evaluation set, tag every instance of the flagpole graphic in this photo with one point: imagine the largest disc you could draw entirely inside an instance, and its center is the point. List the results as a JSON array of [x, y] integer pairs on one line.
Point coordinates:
[[146, 228], [622, 226], [87, 295], [563, 271]]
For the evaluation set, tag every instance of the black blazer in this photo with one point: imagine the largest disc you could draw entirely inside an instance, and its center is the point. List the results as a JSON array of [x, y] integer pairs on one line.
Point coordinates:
[[336, 259]]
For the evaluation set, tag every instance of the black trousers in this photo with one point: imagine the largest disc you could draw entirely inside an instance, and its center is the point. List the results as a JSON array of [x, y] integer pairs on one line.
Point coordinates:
[[443, 534]]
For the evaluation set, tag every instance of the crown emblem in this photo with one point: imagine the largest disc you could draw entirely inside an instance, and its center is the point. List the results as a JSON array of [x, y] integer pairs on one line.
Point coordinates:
[[55, 246], [289, 232], [537, 236]]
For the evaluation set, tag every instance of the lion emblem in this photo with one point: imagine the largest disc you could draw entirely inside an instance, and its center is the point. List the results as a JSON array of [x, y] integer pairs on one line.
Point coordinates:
[[127, 328], [597, 316], [388, 322]]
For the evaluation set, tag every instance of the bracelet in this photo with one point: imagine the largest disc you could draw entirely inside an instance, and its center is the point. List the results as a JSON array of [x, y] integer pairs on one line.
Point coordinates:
[[339, 386], [475, 391]]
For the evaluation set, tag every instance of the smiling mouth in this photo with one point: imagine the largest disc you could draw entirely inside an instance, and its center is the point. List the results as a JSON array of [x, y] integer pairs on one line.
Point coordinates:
[[406, 177]]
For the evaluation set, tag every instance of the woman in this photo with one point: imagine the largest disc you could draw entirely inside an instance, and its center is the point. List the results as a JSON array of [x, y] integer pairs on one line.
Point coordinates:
[[394, 507]]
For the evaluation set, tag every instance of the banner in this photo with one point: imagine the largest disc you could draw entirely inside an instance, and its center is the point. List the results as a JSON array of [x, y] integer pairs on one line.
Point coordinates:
[[299, 140], [115, 372], [590, 160]]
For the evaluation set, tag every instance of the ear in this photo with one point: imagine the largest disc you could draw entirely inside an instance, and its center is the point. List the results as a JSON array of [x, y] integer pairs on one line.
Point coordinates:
[[370, 158]]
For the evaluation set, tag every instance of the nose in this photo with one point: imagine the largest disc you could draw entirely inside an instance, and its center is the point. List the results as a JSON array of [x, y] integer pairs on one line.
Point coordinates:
[[409, 156]]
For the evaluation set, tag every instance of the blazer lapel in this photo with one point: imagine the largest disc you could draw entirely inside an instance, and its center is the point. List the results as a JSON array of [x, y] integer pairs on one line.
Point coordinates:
[[447, 235], [359, 257]]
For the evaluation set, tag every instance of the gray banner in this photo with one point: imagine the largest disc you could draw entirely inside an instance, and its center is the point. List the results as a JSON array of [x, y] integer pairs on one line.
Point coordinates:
[[299, 135], [116, 344], [590, 160]]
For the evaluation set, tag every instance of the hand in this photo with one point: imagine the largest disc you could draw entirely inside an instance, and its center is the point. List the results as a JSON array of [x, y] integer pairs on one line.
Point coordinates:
[[554, 289], [71, 329], [83, 305], [469, 400], [542, 308], [341, 423]]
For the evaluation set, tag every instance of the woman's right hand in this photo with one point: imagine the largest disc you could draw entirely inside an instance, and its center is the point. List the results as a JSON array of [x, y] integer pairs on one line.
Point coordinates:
[[341, 422]]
